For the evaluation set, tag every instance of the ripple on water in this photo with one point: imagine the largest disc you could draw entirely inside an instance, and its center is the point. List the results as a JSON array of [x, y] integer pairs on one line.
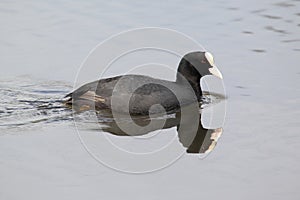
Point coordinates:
[[271, 16], [26, 102], [271, 28], [259, 50], [284, 4]]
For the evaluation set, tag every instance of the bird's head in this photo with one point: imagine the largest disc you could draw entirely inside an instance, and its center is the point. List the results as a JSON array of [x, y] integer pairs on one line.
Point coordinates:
[[195, 65]]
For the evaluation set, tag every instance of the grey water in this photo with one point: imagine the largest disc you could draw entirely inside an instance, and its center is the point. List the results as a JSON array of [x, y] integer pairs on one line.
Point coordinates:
[[256, 47]]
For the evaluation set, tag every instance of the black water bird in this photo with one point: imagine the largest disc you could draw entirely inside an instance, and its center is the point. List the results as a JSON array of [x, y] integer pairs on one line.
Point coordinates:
[[138, 94]]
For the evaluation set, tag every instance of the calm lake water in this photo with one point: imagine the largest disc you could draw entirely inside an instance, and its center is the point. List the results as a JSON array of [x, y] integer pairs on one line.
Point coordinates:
[[256, 46]]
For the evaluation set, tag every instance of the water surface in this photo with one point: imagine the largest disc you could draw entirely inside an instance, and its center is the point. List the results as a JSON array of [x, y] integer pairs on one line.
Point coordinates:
[[256, 46]]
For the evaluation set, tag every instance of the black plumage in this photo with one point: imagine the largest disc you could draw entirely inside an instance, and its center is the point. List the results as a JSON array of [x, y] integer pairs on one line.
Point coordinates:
[[138, 94]]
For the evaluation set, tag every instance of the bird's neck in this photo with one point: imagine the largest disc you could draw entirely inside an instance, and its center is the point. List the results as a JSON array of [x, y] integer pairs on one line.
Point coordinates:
[[194, 83]]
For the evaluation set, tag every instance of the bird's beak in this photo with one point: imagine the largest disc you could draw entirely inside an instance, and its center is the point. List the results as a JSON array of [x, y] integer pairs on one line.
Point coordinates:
[[215, 71]]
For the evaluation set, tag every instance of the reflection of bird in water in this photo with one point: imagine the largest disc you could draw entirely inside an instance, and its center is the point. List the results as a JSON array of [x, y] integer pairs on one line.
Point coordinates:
[[192, 135]]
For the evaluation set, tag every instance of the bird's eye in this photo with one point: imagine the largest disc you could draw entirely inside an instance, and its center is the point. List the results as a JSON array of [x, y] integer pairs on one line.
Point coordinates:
[[203, 61]]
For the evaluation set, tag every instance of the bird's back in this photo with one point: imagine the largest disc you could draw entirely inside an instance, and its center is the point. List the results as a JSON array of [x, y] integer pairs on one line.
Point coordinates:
[[133, 93]]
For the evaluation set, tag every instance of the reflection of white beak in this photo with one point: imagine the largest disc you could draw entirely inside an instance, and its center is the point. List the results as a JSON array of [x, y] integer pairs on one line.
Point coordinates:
[[215, 71]]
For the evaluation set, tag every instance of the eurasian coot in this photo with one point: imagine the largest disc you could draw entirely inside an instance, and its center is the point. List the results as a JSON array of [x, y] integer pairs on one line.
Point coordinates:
[[139, 94]]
